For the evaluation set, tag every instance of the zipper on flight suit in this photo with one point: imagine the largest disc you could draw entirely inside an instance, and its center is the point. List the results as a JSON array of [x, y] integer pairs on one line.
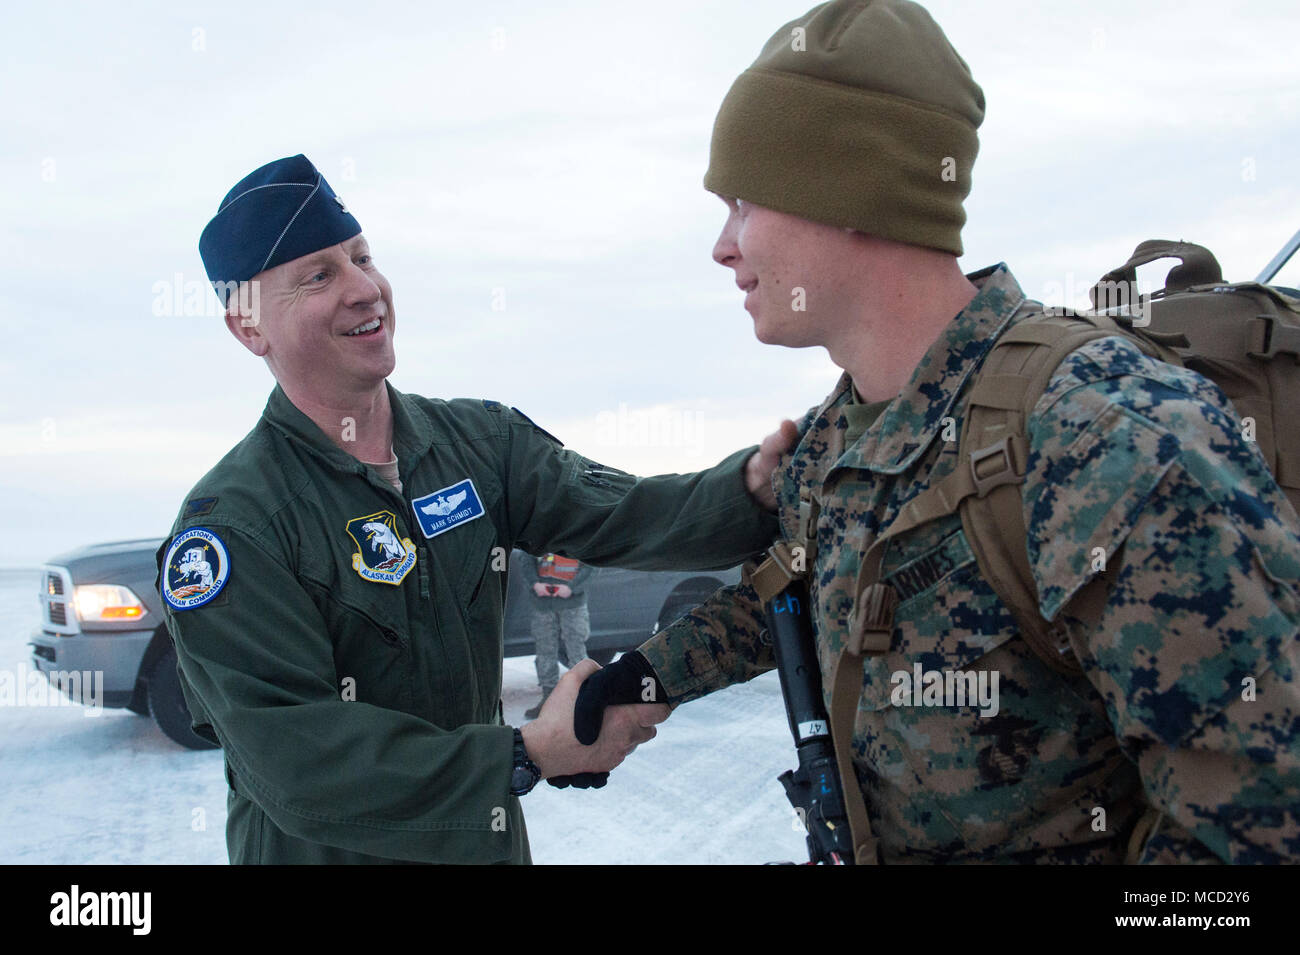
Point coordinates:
[[422, 552], [423, 561]]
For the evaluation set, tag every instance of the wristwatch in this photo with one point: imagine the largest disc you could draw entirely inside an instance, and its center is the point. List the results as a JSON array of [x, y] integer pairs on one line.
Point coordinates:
[[525, 774]]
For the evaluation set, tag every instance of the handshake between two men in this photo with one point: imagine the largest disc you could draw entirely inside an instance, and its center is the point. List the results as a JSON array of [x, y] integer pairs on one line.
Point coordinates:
[[593, 720], [596, 716]]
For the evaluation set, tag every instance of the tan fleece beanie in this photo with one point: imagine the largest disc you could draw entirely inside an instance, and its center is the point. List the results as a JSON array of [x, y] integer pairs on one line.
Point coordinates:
[[858, 114]]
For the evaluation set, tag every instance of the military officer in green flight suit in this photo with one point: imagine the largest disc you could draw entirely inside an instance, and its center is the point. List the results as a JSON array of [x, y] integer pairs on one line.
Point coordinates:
[[335, 584]]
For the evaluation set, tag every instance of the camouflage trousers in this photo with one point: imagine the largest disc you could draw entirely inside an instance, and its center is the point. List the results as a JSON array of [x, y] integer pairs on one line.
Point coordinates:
[[568, 624]]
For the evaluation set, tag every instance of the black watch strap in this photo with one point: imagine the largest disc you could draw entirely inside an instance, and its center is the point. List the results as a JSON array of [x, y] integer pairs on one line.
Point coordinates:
[[524, 774]]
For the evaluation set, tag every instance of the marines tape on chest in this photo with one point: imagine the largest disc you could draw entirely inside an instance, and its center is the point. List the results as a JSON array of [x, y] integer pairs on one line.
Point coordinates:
[[922, 573], [195, 569], [383, 556], [448, 508]]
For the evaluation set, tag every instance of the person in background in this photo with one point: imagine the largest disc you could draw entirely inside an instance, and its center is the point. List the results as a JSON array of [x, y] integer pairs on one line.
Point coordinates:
[[559, 616]]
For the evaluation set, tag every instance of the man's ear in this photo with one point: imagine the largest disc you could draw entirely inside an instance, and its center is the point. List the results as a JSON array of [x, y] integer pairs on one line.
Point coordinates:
[[244, 318]]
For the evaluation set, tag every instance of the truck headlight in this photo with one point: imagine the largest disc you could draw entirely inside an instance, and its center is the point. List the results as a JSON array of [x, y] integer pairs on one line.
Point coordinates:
[[99, 602]]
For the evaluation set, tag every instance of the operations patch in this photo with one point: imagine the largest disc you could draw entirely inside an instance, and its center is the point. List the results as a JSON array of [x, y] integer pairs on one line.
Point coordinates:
[[195, 569], [382, 556], [448, 508]]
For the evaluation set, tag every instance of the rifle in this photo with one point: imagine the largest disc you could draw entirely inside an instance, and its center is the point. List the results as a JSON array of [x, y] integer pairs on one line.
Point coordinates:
[[814, 787]]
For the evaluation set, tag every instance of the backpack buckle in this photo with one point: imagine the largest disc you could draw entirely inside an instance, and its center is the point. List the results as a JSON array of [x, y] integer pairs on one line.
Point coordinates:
[[809, 510], [1001, 467], [775, 573], [873, 620], [1269, 337]]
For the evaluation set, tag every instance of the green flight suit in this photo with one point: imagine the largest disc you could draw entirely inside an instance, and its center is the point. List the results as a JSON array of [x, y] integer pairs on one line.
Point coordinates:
[[360, 718]]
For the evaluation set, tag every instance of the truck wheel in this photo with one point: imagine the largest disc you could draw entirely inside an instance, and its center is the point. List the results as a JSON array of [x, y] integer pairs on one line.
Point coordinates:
[[167, 704], [603, 657]]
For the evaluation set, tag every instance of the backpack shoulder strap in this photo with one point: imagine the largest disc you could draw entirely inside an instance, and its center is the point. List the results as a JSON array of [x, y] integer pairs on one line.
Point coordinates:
[[994, 440], [985, 489]]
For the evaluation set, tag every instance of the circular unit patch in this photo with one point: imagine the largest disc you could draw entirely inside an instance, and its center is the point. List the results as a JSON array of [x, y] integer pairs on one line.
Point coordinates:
[[196, 568]]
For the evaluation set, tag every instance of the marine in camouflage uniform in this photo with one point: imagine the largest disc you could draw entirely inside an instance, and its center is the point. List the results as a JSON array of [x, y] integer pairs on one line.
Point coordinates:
[[1185, 715], [1123, 450]]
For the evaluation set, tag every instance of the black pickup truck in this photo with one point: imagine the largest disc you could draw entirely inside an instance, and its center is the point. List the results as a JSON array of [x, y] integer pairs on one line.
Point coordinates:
[[100, 612]]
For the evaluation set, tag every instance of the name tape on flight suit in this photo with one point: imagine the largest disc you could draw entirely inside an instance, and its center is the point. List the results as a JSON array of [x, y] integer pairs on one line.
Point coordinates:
[[447, 508]]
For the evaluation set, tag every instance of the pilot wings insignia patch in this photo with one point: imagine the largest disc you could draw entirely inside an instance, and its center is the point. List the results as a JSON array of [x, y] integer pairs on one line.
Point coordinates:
[[448, 508]]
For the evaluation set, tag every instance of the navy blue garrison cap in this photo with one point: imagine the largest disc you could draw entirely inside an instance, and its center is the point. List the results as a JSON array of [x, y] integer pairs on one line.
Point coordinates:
[[277, 213]]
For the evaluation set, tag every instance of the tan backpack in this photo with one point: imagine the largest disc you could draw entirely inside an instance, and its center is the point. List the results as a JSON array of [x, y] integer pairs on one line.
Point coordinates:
[[1244, 337]]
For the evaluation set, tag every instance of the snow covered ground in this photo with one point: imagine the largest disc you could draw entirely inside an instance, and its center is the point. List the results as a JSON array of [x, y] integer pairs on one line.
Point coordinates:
[[112, 789]]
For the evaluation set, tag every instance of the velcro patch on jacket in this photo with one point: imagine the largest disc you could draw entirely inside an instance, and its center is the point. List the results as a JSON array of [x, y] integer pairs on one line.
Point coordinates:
[[447, 508], [382, 555], [195, 569]]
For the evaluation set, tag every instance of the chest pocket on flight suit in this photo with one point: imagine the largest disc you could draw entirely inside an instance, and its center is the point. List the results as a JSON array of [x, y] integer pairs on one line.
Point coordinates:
[[369, 625]]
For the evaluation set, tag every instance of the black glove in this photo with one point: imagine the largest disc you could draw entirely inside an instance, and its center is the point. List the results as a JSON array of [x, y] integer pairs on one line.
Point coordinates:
[[580, 781], [629, 679]]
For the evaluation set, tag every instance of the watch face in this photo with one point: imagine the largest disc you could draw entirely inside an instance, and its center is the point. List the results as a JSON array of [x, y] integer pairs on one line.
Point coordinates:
[[522, 781]]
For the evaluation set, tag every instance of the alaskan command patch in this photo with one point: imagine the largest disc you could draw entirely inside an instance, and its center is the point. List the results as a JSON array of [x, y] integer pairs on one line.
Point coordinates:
[[195, 569], [382, 556], [444, 510]]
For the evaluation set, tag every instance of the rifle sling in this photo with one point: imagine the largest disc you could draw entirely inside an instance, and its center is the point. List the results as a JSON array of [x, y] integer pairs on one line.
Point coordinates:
[[846, 690]]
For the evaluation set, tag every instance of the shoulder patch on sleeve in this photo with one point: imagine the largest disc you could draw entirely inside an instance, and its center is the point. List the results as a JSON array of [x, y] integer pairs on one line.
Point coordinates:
[[195, 569], [491, 405]]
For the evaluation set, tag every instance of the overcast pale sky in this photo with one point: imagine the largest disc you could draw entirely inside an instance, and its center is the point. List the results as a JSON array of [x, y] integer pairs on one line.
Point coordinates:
[[529, 178]]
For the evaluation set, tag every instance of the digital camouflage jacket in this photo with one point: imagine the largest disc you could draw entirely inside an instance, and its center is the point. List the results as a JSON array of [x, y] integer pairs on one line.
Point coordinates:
[[1188, 701], [342, 641]]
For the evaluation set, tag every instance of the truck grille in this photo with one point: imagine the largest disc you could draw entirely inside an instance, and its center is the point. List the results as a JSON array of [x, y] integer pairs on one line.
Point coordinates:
[[56, 595]]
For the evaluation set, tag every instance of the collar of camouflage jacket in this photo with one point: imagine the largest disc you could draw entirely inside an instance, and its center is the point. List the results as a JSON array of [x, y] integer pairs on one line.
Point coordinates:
[[412, 433], [915, 417]]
